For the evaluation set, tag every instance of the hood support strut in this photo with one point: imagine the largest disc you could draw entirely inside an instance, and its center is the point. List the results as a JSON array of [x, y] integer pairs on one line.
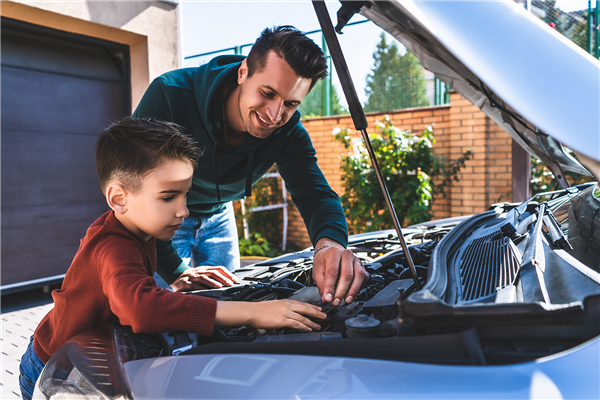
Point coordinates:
[[359, 119]]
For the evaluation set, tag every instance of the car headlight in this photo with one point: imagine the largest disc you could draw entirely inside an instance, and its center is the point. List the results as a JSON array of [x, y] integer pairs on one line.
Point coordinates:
[[87, 368]]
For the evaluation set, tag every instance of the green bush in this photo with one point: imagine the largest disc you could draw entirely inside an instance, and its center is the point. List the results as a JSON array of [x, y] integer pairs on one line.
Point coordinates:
[[255, 245], [409, 168], [542, 179]]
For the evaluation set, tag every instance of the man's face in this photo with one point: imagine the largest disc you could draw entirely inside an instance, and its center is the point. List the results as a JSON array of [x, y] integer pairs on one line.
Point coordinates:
[[269, 98], [159, 208]]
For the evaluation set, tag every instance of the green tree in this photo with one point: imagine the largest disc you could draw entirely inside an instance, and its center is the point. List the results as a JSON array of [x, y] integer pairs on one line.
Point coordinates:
[[409, 168], [312, 105], [573, 25], [396, 81]]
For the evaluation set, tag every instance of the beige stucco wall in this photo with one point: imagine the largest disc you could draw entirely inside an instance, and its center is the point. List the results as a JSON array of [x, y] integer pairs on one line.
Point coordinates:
[[149, 28]]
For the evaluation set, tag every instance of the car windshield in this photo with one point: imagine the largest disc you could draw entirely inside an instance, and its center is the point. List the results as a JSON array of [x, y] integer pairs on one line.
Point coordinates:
[[578, 217]]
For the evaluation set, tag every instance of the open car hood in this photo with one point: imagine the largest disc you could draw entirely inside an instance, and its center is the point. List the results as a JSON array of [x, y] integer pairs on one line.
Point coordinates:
[[529, 79]]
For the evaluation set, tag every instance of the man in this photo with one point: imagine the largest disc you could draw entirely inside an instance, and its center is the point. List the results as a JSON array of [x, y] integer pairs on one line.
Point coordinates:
[[243, 113]]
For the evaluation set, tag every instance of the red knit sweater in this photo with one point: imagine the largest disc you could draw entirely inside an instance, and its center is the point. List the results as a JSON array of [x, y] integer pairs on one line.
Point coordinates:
[[110, 279]]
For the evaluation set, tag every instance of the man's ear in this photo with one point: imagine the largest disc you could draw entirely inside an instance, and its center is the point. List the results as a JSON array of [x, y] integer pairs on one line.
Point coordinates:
[[116, 197], [242, 72]]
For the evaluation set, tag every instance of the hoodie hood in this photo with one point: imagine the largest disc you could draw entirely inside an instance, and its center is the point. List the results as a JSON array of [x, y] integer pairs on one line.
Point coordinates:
[[207, 83]]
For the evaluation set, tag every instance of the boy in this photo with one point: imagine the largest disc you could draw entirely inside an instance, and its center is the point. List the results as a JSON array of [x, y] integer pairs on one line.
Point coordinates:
[[145, 168]]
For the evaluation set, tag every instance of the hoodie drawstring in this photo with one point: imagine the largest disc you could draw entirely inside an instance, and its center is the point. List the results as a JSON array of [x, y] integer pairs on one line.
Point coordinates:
[[216, 172], [249, 170]]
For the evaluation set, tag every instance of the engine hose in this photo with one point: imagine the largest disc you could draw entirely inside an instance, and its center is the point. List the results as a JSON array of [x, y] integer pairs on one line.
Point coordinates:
[[227, 338], [256, 294], [247, 292]]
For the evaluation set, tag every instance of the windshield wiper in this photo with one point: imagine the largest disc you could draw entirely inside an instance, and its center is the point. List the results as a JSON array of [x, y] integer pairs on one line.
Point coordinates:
[[534, 265]]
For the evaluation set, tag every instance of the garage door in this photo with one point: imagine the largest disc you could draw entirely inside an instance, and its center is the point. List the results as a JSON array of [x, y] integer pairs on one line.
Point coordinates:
[[58, 92]]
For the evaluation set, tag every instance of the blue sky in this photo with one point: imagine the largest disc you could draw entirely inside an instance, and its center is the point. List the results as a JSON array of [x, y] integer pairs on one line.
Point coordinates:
[[213, 25]]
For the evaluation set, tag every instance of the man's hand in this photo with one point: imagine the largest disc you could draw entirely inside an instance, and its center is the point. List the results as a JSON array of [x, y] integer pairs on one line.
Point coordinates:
[[333, 264], [203, 277]]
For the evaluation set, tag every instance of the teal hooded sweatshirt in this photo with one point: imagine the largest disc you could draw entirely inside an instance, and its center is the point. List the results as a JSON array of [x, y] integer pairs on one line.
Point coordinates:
[[192, 98]]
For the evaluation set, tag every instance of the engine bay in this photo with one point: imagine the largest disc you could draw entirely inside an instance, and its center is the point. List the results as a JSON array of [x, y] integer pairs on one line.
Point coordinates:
[[500, 287]]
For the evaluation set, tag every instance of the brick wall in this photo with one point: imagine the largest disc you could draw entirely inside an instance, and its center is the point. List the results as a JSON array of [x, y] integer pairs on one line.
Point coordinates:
[[486, 178]]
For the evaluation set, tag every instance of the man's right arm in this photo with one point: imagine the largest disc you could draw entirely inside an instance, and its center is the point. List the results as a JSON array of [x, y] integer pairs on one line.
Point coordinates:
[[137, 301]]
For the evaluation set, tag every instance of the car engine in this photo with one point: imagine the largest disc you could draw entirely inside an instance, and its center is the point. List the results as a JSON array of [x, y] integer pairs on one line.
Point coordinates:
[[509, 285]]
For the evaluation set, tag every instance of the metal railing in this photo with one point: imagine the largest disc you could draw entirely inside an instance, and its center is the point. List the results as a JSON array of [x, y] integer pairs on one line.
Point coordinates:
[[283, 206], [580, 26]]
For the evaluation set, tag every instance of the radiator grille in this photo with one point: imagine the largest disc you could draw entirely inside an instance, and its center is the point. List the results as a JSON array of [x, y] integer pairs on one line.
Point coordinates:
[[487, 266]]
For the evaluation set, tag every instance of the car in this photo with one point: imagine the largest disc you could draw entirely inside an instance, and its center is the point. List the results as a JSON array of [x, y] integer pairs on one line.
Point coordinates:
[[509, 299]]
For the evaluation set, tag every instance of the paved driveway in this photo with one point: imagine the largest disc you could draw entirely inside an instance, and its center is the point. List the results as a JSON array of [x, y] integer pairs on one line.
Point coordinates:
[[21, 313]]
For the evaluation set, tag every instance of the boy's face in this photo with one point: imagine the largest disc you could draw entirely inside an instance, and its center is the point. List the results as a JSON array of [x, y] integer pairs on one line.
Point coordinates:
[[159, 208], [269, 98]]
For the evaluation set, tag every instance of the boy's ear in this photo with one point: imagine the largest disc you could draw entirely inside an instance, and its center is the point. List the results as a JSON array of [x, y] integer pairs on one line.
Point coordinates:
[[116, 197]]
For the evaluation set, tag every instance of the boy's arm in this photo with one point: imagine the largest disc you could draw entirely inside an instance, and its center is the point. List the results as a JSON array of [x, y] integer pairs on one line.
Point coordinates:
[[136, 300]]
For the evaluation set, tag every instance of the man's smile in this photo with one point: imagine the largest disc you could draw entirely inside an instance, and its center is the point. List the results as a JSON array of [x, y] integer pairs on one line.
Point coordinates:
[[263, 122]]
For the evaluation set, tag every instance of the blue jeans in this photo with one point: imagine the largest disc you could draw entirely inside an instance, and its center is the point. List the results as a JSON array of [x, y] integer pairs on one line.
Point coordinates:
[[211, 240], [30, 369]]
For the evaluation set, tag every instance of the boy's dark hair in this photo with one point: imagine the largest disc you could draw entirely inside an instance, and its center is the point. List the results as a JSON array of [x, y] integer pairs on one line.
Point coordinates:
[[301, 53], [127, 150]]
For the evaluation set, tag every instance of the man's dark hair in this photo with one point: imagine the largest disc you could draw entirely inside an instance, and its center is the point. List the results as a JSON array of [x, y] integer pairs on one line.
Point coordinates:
[[127, 150], [301, 53]]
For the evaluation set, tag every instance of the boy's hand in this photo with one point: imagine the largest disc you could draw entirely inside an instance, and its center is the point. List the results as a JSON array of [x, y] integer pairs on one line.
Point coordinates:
[[203, 277], [269, 314], [286, 314]]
